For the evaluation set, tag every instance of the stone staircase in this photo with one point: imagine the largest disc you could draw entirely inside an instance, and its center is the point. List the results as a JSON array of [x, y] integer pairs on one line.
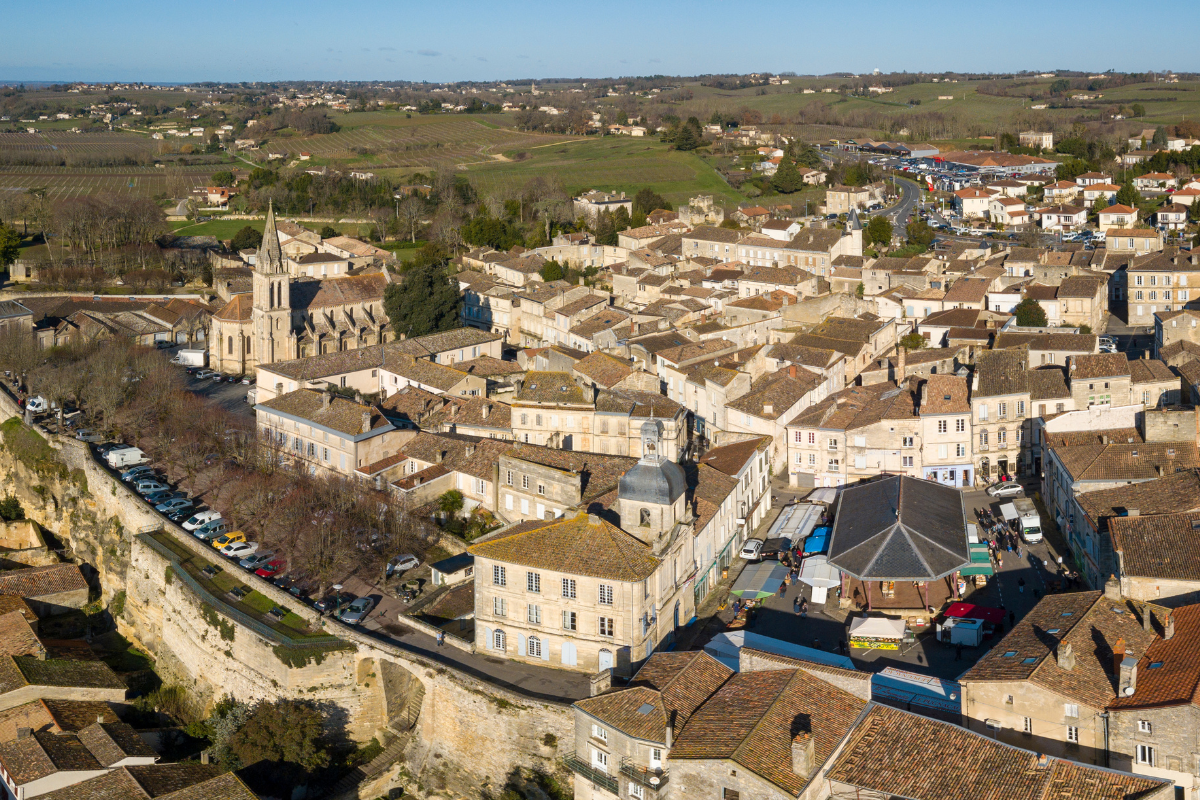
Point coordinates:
[[400, 727]]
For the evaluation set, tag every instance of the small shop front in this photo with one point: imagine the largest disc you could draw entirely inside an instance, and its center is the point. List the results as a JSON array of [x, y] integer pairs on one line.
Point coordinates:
[[951, 475]]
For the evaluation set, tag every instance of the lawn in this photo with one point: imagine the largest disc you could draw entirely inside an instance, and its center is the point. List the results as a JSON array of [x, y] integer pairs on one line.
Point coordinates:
[[611, 163], [227, 228]]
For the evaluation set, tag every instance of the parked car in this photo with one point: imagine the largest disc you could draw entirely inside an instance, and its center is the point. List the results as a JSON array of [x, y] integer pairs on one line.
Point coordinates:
[[752, 550], [1006, 489], [200, 519], [239, 550], [137, 473], [256, 560], [211, 530], [205, 373], [1108, 348], [88, 435], [154, 498], [334, 602], [357, 611], [147, 486], [182, 513], [402, 563], [272, 567], [1105, 340], [37, 405], [174, 504], [229, 538]]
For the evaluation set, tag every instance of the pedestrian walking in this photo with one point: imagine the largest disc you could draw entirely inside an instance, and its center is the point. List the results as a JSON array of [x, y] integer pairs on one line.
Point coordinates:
[[441, 638], [1021, 585], [1060, 561], [804, 609]]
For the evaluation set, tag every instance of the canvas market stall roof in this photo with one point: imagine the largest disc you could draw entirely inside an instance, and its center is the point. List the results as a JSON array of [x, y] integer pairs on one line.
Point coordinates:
[[759, 580], [726, 647], [818, 572], [899, 529]]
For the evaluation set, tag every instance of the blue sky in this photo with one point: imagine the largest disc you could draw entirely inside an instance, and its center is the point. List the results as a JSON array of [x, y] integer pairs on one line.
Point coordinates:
[[447, 40]]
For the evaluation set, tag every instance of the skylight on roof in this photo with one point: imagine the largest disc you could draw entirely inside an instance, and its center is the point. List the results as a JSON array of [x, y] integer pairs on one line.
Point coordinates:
[[1054, 630], [1155, 664], [1118, 610], [1010, 654], [1068, 613], [1030, 660], [645, 708]]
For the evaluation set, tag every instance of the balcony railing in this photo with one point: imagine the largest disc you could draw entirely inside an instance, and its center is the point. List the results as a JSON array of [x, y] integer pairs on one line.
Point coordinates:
[[581, 767], [653, 779]]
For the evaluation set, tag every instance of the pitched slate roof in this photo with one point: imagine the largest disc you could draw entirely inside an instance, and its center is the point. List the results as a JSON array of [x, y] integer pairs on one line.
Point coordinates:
[[342, 415], [753, 719], [892, 753], [580, 545], [899, 528]]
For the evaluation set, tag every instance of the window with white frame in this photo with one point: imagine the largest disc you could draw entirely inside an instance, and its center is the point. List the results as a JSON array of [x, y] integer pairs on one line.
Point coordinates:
[[1073, 734], [606, 594], [568, 588], [1071, 710], [605, 626], [499, 607], [1028, 725], [960, 426], [833, 444], [906, 461], [524, 481], [1145, 726], [635, 791], [499, 575], [533, 581], [599, 760], [1020, 408], [812, 459], [960, 450], [533, 613], [499, 640], [906, 441], [1145, 755], [533, 647], [570, 621], [812, 437], [943, 425]]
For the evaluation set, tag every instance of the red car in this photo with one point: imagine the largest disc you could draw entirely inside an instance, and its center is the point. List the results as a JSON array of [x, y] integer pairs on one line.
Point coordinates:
[[270, 568]]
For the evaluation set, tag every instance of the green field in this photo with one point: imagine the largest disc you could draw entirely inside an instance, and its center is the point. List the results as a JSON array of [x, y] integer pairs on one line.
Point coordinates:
[[226, 228], [610, 162]]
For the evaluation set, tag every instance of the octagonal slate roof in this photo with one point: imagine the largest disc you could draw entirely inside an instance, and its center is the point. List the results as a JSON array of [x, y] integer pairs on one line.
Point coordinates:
[[899, 528]]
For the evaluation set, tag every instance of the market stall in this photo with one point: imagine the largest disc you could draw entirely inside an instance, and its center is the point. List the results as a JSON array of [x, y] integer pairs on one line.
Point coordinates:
[[818, 573], [877, 633]]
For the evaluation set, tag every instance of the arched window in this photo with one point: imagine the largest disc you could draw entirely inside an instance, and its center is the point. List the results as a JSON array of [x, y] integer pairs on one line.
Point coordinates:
[[535, 647], [645, 518], [499, 642], [271, 296]]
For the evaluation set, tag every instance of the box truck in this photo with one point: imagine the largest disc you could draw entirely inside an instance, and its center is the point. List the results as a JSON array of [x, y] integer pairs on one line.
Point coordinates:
[[1029, 521], [125, 457], [191, 358]]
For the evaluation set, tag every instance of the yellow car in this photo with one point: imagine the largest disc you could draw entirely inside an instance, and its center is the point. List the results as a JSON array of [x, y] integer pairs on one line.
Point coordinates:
[[228, 538]]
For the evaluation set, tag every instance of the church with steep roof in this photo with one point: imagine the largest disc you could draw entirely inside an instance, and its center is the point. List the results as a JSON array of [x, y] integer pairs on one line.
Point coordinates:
[[292, 313]]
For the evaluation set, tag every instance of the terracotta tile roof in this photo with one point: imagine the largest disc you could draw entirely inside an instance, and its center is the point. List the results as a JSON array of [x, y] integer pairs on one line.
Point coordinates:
[[442, 342], [1001, 372], [53, 715], [550, 387], [1048, 383], [1159, 546], [41, 581], [111, 742], [731, 458], [815, 240], [885, 752], [238, 309], [470, 411], [329, 292], [1103, 436], [17, 637], [1084, 620], [1127, 462], [223, 787], [1176, 681], [1099, 365], [673, 684], [1150, 370], [752, 721], [471, 455], [18, 671], [793, 353], [605, 369], [147, 782], [707, 233], [341, 414], [43, 754], [488, 366], [423, 371], [1063, 342], [578, 545], [772, 396], [954, 318], [945, 394]]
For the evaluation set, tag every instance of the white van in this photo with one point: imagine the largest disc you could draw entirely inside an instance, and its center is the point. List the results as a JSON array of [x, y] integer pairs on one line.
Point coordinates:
[[125, 457]]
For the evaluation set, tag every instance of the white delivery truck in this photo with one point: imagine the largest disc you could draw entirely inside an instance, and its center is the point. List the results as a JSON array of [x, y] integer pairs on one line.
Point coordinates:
[[125, 457], [191, 358], [1029, 520]]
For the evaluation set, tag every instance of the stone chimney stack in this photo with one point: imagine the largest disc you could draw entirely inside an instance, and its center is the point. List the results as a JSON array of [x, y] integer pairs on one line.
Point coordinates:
[[1066, 656], [366, 422], [24, 733], [1169, 627], [1112, 589], [325, 399], [792, 370], [487, 410], [1127, 682], [1118, 656], [901, 360], [1147, 619], [803, 754]]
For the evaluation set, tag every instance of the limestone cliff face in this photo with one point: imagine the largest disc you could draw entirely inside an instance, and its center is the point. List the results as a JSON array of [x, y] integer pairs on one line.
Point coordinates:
[[467, 734]]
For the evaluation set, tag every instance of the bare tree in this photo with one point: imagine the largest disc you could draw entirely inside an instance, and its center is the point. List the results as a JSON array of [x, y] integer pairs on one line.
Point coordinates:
[[410, 211]]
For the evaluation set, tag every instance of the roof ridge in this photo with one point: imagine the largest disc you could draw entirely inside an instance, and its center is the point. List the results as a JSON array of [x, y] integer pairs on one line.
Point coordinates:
[[762, 717]]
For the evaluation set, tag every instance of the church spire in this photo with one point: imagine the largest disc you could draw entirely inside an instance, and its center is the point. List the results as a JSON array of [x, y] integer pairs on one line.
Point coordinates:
[[270, 254]]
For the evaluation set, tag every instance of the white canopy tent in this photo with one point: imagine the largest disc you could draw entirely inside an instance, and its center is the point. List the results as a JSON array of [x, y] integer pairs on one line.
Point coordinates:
[[818, 573]]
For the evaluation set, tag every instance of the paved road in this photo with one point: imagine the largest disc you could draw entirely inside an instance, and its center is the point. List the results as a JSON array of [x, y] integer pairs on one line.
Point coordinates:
[[910, 195]]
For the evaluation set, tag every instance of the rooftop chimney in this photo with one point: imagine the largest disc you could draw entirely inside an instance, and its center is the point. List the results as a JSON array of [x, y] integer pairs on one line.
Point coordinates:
[[325, 398], [1169, 627], [1147, 619], [1112, 589], [24, 733], [901, 358], [470, 449], [1118, 656], [769, 409], [487, 409], [366, 422], [438, 456], [1128, 676], [803, 754], [1066, 656], [1161, 471], [792, 370], [1133, 512]]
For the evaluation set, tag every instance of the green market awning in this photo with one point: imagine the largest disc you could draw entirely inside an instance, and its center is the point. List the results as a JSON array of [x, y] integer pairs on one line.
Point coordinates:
[[981, 561], [759, 580]]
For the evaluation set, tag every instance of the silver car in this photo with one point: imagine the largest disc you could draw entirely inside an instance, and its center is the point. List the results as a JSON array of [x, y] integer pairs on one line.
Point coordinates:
[[1006, 489], [357, 611]]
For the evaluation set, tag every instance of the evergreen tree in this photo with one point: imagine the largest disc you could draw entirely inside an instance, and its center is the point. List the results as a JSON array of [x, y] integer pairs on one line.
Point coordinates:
[[426, 300], [1030, 314], [552, 271], [647, 200], [10, 245], [1160, 136], [1129, 196], [687, 138], [787, 178], [621, 220], [879, 231], [247, 239]]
